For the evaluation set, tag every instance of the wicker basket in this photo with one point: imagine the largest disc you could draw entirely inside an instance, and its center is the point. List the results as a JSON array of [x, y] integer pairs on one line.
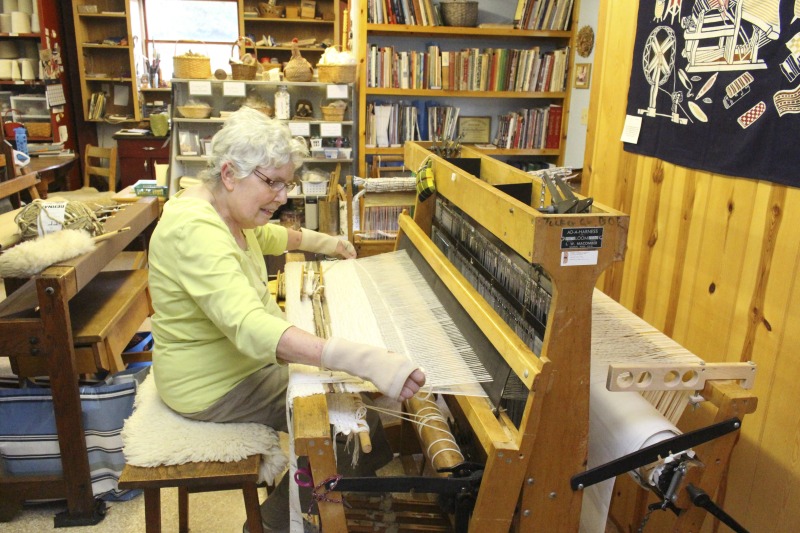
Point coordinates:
[[332, 112], [337, 73], [240, 71], [194, 111], [269, 10], [191, 67], [39, 129], [459, 13]]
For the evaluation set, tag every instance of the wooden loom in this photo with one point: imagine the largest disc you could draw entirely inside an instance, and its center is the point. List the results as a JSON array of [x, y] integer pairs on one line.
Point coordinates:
[[528, 466], [75, 300]]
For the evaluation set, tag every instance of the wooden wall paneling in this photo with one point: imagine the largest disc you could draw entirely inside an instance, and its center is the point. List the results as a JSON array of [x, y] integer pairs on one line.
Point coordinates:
[[750, 251]]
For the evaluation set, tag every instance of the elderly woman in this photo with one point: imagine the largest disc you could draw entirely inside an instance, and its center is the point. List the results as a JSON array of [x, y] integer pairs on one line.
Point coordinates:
[[219, 337]]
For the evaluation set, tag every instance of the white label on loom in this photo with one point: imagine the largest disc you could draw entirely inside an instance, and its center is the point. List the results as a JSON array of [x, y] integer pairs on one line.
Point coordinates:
[[51, 217], [578, 258]]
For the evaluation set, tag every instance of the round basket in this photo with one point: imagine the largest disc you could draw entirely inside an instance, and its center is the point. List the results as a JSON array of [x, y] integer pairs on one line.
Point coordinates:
[[191, 66], [331, 112], [458, 13], [194, 111], [337, 73]]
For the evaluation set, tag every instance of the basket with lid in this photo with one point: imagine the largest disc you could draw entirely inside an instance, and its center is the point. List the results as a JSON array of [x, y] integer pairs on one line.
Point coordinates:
[[191, 65]]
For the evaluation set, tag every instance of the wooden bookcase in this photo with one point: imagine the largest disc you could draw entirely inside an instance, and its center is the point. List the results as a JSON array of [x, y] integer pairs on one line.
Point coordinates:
[[454, 39], [106, 64], [323, 27]]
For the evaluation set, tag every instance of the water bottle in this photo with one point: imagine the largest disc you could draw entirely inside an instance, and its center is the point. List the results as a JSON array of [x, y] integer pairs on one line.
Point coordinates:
[[21, 138]]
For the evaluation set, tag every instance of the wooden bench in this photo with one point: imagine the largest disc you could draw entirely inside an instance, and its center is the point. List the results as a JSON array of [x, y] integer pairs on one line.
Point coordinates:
[[194, 477]]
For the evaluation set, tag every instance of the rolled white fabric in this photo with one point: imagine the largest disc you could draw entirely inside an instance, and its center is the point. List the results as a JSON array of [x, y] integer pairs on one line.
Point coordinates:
[[619, 423], [20, 22]]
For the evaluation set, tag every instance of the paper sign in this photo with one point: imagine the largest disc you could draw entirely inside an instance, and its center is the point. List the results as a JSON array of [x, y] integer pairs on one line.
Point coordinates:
[[200, 88], [233, 88], [122, 95], [303, 129], [337, 91], [51, 217], [578, 258], [630, 132], [330, 129]]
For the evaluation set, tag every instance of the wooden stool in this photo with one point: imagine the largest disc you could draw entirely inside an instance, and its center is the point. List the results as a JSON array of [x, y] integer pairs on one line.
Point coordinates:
[[194, 477]]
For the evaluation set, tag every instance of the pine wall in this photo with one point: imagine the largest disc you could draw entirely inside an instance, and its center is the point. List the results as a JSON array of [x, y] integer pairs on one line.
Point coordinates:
[[713, 262]]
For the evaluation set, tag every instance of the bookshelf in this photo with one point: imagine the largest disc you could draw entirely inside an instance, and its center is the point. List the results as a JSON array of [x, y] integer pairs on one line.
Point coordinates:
[[106, 60], [323, 27], [383, 82], [24, 87]]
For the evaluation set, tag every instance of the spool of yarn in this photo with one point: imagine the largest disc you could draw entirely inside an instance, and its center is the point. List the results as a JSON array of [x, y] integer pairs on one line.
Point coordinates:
[[15, 73], [20, 22], [26, 6], [35, 28], [26, 66], [5, 23], [5, 69], [10, 5]]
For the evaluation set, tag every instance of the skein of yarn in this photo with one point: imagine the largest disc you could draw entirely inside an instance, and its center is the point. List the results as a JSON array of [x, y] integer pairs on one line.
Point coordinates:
[[77, 215]]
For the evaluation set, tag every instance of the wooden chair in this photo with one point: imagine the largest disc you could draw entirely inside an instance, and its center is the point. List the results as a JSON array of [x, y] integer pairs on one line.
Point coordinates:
[[97, 163], [194, 477]]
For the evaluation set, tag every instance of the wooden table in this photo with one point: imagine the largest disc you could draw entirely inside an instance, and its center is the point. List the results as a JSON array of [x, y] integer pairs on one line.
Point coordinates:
[[50, 170]]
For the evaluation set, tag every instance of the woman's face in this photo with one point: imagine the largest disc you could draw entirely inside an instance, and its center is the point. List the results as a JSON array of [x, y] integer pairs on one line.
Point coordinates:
[[254, 199]]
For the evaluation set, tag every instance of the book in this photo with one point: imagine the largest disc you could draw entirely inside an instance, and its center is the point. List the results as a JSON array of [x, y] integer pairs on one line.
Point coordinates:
[[554, 126]]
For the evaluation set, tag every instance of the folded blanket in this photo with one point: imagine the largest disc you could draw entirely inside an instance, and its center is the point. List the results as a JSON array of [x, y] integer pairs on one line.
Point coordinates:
[[156, 435]]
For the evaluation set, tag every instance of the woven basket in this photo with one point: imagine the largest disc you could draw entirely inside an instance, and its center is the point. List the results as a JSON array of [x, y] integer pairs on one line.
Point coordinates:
[[330, 112], [297, 69], [194, 111], [39, 129], [337, 73], [191, 67], [459, 13], [269, 10], [240, 71]]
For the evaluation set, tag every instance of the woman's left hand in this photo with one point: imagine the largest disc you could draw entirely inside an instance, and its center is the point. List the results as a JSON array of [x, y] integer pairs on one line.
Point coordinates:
[[345, 250]]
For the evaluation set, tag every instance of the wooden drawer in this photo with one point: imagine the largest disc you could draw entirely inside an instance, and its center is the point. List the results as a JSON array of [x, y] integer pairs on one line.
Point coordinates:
[[143, 147]]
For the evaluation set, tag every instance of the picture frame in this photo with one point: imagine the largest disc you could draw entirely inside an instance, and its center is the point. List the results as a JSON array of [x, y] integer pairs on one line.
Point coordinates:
[[583, 73], [474, 130]]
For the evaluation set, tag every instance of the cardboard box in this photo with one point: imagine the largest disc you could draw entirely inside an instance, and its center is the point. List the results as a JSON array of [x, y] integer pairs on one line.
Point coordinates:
[[308, 9]]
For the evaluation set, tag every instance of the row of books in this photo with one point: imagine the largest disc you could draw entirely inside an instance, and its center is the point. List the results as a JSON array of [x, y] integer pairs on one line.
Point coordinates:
[[393, 123], [493, 69], [543, 14], [97, 106], [537, 128], [412, 12]]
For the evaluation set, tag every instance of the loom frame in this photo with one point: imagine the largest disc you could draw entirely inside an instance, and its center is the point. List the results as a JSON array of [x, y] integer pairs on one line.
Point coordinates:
[[519, 460]]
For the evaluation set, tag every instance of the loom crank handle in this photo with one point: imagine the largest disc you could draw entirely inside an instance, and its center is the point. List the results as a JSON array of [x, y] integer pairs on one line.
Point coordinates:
[[653, 453], [701, 499]]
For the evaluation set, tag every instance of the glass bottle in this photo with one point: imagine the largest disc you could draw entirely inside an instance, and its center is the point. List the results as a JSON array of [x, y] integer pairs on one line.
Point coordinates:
[[282, 104]]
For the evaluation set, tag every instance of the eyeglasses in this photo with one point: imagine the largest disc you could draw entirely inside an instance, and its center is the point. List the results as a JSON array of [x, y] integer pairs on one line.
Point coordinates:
[[275, 185]]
